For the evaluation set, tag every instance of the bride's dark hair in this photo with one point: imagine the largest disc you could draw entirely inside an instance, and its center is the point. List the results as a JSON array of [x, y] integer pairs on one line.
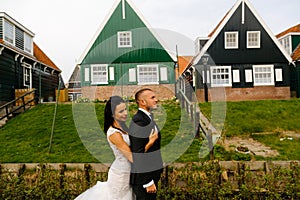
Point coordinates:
[[109, 111]]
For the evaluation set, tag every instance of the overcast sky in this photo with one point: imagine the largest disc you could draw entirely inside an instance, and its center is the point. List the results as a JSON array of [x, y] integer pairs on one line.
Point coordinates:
[[64, 28]]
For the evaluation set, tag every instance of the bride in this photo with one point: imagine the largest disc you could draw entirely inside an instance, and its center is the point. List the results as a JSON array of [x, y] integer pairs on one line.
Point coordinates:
[[117, 186]]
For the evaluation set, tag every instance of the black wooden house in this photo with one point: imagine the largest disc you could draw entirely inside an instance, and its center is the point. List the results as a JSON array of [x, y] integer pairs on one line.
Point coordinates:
[[23, 65], [241, 60]]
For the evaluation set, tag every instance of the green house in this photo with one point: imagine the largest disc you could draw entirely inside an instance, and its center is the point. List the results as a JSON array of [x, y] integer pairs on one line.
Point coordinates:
[[125, 55]]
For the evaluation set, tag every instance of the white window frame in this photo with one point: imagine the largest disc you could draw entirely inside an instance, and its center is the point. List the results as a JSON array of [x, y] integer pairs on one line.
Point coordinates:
[[9, 32], [99, 76], [148, 76], [28, 43], [253, 39], [231, 44], [263, 75], [124, 39], [220, 76]]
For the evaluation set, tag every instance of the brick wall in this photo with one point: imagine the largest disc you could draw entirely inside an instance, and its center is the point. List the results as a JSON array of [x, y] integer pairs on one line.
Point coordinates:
[[245, 94], [163, 92]]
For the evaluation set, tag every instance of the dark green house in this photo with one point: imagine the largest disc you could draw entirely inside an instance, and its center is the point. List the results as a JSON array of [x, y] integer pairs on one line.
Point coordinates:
[[125, 55], [290, 40]]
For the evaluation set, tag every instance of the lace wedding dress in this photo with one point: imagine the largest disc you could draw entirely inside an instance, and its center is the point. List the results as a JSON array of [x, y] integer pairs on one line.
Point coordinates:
[[117, 186]]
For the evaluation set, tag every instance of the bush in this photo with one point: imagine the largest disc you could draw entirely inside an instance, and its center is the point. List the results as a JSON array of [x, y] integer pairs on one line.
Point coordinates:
[[192, 181]]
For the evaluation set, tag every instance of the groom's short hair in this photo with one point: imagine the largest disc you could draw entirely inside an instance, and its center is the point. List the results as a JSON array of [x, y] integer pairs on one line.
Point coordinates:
[[139, 93]]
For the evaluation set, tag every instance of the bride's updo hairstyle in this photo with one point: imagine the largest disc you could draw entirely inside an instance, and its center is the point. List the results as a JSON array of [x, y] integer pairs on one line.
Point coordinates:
[[109, 111]]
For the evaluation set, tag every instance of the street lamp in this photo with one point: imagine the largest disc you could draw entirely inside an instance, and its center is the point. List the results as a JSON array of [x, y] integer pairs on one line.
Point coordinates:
[[204, 59]]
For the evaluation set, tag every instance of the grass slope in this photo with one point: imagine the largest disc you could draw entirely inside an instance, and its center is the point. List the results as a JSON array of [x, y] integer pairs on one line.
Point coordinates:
[[78, 135]]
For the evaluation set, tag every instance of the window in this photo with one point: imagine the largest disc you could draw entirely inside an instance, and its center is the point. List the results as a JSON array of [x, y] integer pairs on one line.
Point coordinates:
[[99, 74], [124, 39], [263, 75], [8, 32], [221, 75], [231, 40], [27, 43], [285, 42], [147, 74], [253, 39], [27, 75]]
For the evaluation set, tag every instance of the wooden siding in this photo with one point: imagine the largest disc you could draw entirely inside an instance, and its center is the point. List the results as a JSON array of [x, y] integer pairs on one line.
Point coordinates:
[[11, 78], [145, 47], [267, 53], [45, 83]]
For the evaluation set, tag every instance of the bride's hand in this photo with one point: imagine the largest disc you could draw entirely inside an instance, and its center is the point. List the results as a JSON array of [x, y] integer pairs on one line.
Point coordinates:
[[153, 136]]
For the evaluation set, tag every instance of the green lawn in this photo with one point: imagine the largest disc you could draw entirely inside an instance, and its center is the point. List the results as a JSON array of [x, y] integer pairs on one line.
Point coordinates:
[[78, 135]]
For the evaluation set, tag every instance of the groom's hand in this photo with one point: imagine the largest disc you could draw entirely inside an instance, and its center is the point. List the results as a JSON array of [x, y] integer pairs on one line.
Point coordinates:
[[151, 189]]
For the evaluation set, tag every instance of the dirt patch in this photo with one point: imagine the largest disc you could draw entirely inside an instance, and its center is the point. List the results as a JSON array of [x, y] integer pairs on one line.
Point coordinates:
[[254, 147]]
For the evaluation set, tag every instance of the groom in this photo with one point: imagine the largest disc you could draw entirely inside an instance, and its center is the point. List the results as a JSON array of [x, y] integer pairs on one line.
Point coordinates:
[[147, 165]]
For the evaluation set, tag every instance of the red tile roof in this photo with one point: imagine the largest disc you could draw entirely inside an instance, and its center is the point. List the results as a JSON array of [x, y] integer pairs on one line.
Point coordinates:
[[184, 62], [296, 54], [294, 29], [38, 54], [43, 58], [211, 34]]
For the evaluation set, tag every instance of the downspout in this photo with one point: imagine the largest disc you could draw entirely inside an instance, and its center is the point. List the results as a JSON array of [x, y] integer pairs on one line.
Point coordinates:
[[40, 84]]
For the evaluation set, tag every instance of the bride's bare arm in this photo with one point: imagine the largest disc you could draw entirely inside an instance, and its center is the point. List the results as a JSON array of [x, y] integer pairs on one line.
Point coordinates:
[[117, 139]]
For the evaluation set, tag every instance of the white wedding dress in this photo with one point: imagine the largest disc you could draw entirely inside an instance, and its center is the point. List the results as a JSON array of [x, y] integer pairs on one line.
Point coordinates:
[[117, 186]]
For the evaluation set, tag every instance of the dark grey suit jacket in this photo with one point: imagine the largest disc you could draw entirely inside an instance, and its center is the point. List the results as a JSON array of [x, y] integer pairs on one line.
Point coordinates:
[[146, 166]]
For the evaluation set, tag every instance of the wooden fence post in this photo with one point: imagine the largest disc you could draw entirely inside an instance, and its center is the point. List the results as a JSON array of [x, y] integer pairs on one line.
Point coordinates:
[[241, 172], [87, 168], [166, 179], [21, 170], [62, 175]]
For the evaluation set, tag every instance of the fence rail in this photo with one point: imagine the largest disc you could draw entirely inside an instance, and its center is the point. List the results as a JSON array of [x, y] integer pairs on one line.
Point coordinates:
[[11, 108]]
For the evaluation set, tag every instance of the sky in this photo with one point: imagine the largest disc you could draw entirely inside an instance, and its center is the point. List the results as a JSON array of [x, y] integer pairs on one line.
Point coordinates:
[[64, 28]]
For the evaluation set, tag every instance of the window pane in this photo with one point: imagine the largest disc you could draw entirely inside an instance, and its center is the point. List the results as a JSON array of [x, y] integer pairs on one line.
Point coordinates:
[[148, 74], [253, 39], [221, 76], [124, 39], [28, 43], [231, 40], [99, 74], [263, 75], [8, 32]]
